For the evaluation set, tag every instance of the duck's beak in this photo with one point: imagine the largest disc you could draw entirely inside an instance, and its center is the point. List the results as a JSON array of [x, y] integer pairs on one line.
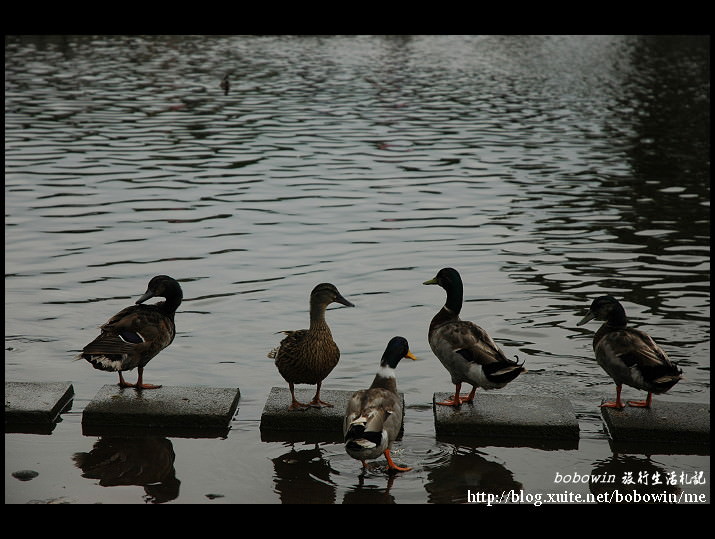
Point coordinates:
[[410, 355], [431, 281], [147, 295], [589, 316], [342, 300]]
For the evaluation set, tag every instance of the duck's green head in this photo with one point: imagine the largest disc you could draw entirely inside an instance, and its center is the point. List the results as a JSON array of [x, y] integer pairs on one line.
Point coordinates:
[[450, 280], [604, 308], [396, 349], [162, 286], [447, 278]]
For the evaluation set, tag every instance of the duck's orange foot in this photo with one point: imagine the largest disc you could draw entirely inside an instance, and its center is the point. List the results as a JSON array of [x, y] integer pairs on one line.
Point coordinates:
[[454, 400], [450, 403], [147, 386], [138, 385], [612, 404], [639, 404], [295, 405], [317, 403], [392, 466]]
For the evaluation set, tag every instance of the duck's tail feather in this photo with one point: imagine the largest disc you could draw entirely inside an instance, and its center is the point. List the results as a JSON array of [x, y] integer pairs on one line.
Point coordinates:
[[105, 362], [664, 383], [358, 438], [504, 371]]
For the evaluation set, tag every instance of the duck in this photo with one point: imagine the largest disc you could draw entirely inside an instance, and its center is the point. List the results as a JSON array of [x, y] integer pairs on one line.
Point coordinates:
[[465, 349], [225, 84], [133, 336], [373, 416], [630, 356], [308, 356]]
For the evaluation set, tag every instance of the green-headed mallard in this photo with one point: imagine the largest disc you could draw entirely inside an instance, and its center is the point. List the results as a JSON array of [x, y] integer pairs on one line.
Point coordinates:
[[629, 355], [307, 356], [373, 417], [466, 350], [136, 334]]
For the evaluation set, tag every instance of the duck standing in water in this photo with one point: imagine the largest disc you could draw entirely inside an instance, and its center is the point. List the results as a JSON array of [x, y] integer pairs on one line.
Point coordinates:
[[133, 336], [373, 417], [629, 355], [466, 350], [307, 356]]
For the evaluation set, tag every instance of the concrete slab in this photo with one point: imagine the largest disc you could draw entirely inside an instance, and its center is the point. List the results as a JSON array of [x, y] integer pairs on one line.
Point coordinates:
[[36, 402], [665, 422], [277, 417], [167, 407], [501, 416]]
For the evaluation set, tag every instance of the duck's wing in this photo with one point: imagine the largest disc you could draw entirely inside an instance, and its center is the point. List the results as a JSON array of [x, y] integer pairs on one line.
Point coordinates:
[[636, 351], [635, 347], [291, 340], [469, 341], [353, 410], [133, 335], [371, 411]]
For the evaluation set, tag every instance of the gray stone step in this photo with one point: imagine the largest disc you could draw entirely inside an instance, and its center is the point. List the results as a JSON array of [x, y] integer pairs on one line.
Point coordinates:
[[499, 415], [38, 403], [277, 417], [168, 408], [680, 423]]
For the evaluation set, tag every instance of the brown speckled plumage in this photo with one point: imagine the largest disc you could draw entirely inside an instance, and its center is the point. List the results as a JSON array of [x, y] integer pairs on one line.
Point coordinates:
[[307, 356]]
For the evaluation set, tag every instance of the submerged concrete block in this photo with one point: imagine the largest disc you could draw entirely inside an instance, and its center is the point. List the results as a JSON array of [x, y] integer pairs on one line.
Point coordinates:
[[496, 415], [168, 407], [664, 422], [36, 402], [277, 417]]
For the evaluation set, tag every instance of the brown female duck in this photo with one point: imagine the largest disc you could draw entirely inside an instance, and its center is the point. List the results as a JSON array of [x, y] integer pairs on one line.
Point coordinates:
[[307, 356], [133, 336]]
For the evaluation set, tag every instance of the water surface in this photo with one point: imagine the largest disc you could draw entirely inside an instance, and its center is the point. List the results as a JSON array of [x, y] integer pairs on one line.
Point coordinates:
[[547, 169]]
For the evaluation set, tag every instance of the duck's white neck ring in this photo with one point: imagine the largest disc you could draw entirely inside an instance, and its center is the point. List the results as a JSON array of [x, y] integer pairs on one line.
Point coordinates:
[[385, 371]]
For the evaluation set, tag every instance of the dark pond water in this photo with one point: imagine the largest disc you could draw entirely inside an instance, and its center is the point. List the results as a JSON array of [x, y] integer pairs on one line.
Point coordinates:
[[548, 170]]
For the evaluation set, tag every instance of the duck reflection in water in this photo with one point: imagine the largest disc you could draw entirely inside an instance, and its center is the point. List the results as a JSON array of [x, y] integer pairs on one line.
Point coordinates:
[[371, 493], [468, 470], [303, 476], [146, 462]]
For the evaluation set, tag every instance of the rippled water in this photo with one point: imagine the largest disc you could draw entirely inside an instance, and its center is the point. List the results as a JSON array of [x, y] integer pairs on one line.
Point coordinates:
[[548, 170]]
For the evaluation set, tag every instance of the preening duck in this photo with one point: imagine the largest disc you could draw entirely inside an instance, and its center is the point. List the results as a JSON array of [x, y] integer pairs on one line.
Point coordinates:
[[307, 356], [465, 349], [629, 356], [133, 336], [373, 416]]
